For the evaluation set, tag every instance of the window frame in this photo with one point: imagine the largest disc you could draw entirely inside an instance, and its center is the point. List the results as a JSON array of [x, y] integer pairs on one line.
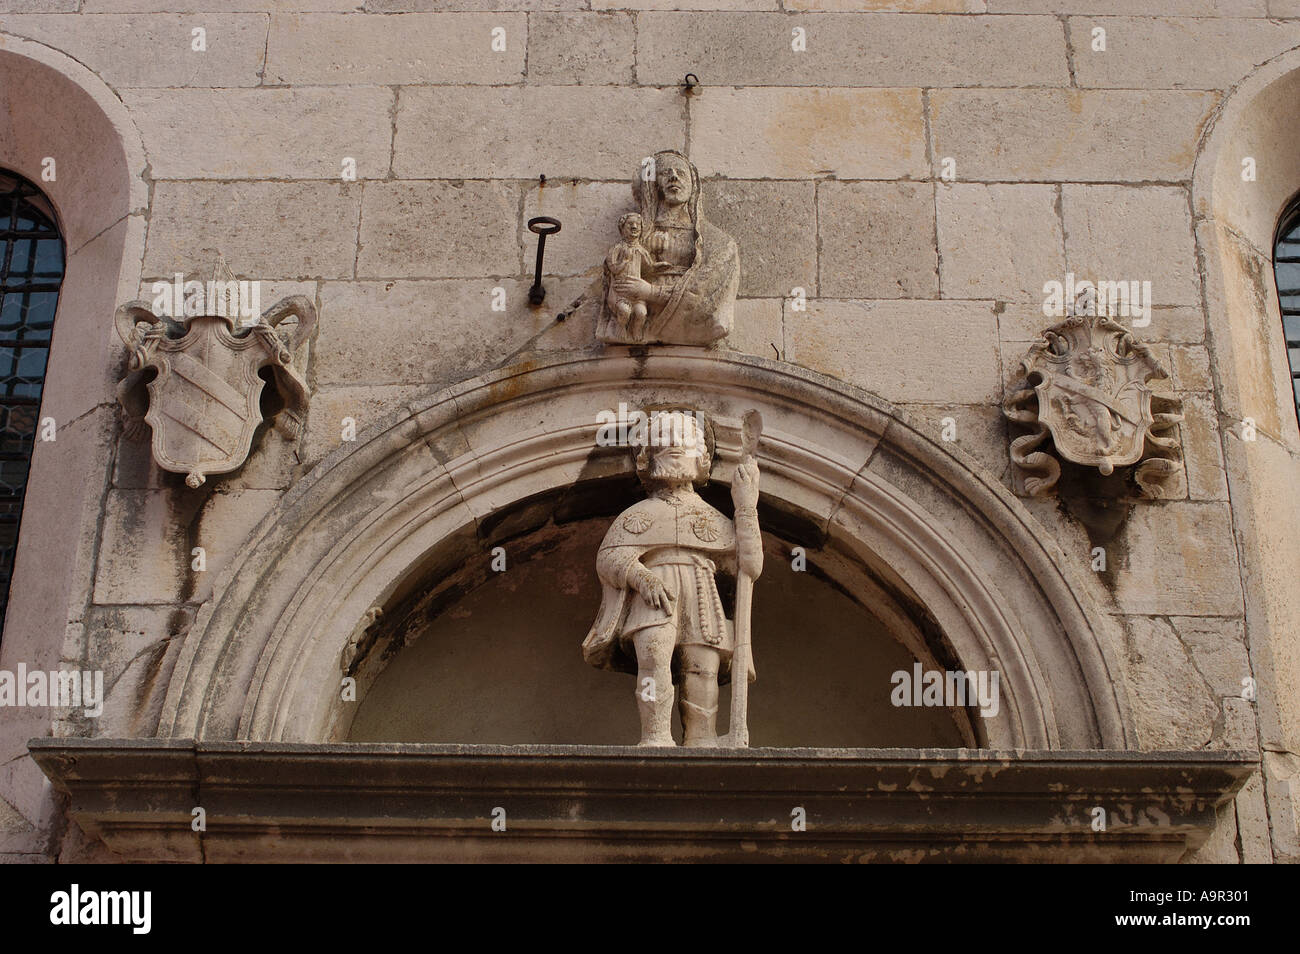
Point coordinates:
[[17, 191], [1288, 224]]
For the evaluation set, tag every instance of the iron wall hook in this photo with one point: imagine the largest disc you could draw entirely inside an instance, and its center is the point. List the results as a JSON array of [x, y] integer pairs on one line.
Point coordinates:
[[543, 225]]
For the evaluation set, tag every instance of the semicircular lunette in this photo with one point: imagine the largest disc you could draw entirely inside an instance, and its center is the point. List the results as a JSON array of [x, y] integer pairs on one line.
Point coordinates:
[[455, 472]]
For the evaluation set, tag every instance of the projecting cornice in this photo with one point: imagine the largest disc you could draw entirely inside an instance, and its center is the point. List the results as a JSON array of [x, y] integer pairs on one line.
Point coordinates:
[[269, 801]]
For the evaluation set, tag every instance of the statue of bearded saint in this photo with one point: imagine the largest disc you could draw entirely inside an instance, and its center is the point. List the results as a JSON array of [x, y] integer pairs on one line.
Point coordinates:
[[661, 616], [689, 288]]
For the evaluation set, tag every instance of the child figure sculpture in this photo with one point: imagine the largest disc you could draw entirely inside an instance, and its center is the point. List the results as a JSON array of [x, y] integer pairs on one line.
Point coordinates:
[[625, 260]]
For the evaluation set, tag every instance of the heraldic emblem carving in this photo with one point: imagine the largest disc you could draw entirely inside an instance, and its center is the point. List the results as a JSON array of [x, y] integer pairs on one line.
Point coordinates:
[[1088, 391], [661, 616], [203, 402], [674, 276]]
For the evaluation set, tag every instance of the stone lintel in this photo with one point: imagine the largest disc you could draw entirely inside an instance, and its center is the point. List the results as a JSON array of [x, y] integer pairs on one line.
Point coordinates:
[[398, 802]]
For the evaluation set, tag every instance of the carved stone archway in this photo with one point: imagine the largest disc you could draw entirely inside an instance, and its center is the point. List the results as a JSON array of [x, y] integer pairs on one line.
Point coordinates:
[[262, 660], [64, 130], [1247, 172]]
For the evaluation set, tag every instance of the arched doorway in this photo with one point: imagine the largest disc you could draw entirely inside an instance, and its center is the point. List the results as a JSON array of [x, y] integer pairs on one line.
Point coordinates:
[[922, 536]]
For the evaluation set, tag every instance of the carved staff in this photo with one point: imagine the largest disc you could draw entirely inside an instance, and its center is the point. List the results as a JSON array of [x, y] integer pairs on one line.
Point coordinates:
[[751, 428]]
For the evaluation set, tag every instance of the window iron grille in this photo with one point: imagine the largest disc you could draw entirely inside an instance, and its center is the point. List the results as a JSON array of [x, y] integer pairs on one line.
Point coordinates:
[[31, 271]]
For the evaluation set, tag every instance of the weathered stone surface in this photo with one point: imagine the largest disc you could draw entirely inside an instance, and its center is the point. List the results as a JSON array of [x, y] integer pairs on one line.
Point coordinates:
[[682, 4], [1143, 52], [1190, 367], [1202, 451], [1172, 705], [191, 225], [1266, 513], [1071, 135], [876, 240], [769, 221], [1024, 321], [1236, 727], [429, 6], [1218, 649], [201, 6], [1221, 847], [225, 523], [523, 132], [1252, 823], [886, 6], [588, 49], [145, 555], [38, 6], [977, 430], [888, 347], [789, 133], [1121, 233], [150, 536], [861, 49], [1251, 359], [426, 229], [999, 241], [1178, 8], [264, 133], [407, 49], [11, 820], [134, 703], [331, 407], [156, 50], [1282, 784], [1177, 558], [130, 643], [419, 332], [1283, 8], [760, 328], [268, 292]]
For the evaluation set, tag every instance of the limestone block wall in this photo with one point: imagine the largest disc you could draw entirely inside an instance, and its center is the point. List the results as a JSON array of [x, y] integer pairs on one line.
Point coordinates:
[[915, 171]]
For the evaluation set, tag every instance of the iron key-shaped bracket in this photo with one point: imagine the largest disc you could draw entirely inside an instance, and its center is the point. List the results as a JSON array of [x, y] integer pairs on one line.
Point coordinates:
[[543, 225]]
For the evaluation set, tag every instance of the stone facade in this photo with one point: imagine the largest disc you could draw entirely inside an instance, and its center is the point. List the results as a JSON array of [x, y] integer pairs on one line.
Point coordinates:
[[902, 178]]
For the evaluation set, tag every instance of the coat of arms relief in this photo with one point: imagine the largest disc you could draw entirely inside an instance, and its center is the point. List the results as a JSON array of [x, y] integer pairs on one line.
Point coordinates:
[[1090, 401], [203, 401]]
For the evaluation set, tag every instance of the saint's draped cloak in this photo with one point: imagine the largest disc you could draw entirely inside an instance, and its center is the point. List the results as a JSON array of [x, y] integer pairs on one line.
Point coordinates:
[[642, 529]]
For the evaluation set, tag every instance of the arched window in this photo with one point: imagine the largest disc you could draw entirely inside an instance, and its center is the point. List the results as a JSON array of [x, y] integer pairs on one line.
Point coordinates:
[[31, 270], [1286, 265]]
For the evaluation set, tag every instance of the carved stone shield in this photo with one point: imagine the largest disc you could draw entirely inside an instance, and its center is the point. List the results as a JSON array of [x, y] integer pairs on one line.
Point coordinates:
[[1091, 380], [204, 400]]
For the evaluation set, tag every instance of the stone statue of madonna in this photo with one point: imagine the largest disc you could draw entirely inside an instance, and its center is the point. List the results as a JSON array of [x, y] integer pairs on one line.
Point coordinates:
[[689, 286]]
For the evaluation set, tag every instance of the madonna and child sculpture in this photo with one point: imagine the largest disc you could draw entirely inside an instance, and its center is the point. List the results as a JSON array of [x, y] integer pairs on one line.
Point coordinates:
[[661, 616], [674, 276]]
